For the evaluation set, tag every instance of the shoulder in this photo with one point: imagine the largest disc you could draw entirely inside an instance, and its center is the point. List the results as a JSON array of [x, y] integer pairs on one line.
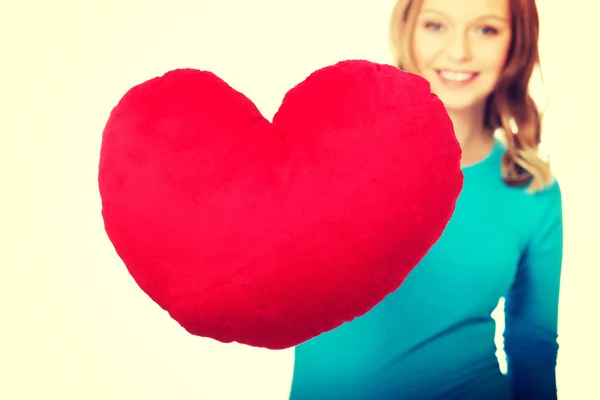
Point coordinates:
[[546, 204], [537, 212], [542, 219], [543, 201], [548, 197], [551, 194]]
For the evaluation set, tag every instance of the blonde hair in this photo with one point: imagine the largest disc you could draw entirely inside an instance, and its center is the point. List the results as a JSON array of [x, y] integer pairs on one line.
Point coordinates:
[[510, 108]]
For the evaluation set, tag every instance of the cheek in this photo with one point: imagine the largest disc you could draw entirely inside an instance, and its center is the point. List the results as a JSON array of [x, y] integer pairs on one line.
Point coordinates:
[[494, 57], [425, 50]]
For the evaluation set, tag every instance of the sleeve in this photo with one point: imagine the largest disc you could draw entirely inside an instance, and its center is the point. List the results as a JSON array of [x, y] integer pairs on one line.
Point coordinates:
[[531, 306]]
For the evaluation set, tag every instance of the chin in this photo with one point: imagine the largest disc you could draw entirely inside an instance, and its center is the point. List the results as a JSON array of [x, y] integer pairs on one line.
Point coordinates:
[[459, 103]]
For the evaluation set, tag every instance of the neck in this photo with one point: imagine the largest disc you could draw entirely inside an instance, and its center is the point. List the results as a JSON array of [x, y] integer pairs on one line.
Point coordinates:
[[468, 125], [474, 139]]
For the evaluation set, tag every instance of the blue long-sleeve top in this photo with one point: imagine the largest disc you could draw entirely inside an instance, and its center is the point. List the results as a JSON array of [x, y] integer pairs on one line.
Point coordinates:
[[433, 338]]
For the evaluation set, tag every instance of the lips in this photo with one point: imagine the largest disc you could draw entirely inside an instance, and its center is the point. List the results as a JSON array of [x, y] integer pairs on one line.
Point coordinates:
[[457, 77]]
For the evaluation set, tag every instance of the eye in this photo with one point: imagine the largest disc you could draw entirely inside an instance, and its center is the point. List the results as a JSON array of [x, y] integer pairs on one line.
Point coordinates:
[[489, 31], [433, 26]]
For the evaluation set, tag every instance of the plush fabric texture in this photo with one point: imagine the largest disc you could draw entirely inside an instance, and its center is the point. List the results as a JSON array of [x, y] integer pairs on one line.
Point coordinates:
[[271, 233]]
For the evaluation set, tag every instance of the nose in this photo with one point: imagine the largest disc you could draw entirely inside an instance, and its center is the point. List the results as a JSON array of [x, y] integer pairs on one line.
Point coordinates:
[[458, 48]]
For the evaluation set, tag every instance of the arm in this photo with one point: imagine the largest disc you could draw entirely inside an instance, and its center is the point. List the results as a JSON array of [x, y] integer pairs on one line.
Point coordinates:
[[531, 307]]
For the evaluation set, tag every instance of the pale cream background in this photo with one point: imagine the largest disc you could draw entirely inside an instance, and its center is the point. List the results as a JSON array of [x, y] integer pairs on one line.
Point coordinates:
[[74, 324]]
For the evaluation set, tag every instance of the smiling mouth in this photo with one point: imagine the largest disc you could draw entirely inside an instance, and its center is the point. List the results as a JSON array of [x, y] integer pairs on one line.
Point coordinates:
[[457, 78]]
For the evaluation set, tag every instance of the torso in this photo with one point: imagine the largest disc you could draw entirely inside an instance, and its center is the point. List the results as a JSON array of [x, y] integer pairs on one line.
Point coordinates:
[[434, 337]]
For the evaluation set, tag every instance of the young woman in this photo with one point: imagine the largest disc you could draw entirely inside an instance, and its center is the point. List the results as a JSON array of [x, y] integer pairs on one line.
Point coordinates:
[[434, 337]]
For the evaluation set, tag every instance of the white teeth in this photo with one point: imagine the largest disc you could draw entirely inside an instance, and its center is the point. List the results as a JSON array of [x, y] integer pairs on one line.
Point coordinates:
[[457, 76]]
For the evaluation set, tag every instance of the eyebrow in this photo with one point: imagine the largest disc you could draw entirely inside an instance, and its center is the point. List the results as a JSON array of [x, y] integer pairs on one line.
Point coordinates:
[[488, 16]]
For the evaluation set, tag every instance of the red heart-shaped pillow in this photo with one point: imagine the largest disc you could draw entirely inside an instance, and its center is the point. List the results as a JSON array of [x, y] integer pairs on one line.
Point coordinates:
[[269, 234]]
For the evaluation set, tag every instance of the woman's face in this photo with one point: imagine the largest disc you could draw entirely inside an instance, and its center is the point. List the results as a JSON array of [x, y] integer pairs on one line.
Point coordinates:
[[461, 47]]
